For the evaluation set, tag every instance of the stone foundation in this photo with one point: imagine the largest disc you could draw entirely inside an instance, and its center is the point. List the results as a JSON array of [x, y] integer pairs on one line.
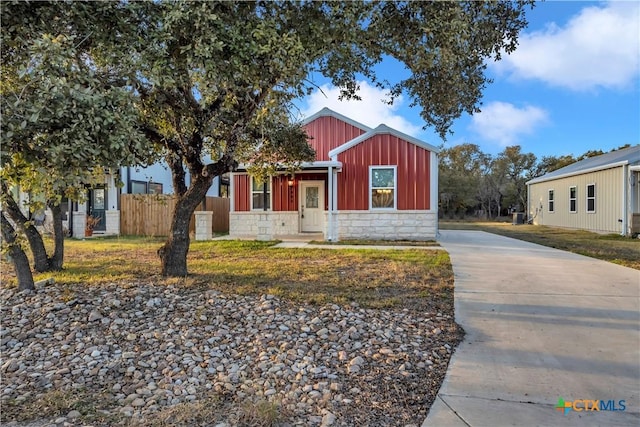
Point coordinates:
[[263, 225], [396, 225]]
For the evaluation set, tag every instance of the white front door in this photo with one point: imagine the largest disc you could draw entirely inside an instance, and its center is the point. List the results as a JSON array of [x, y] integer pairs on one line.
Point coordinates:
[[311, 207]]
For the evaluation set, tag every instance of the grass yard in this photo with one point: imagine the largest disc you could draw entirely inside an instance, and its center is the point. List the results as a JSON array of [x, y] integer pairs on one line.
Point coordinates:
[[608, 247], [414, 279]]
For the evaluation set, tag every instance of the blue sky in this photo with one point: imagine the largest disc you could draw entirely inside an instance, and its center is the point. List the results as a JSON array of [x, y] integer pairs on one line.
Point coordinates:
[[572, 85]]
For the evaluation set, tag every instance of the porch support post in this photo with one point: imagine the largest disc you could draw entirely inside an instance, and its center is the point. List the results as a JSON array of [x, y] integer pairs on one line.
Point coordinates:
[[433, 188], [625, 200], [334, 202], [329, 235], [232, 192], [264, 196]]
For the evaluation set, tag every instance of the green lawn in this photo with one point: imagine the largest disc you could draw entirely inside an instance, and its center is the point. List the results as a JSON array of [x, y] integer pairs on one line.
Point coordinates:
[[608, 247], [414, 278]]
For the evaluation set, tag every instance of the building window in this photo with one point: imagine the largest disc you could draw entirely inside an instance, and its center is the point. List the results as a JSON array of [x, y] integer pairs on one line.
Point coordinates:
[[138, 187], [141, 187], [591, 198], [551, 201], [573, 208], [383, 187], [155, 188], [257, 195]]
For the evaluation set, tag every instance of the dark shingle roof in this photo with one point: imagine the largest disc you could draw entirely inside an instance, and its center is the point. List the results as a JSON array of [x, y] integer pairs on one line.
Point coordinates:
[[629, 156]]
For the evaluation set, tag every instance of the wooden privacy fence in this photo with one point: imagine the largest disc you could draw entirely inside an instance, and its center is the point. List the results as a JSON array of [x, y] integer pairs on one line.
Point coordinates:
[[150, 214]]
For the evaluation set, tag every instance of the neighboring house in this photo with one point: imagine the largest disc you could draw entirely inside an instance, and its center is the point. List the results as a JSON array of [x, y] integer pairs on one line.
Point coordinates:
[[600, 194], [364, 184], [103, 200]]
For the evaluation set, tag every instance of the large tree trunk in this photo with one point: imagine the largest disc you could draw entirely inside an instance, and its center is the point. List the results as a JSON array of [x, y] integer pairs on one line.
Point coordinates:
[[11, 208], [174, 252], [56, 261], [18, 257]]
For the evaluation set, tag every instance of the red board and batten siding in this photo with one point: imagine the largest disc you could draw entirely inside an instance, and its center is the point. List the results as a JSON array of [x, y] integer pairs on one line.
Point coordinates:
[[283, 197], [242, 190], [413, 172], [328, 133]]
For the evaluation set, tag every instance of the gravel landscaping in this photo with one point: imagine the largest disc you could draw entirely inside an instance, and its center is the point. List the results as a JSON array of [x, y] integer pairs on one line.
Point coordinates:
[[139, 354]]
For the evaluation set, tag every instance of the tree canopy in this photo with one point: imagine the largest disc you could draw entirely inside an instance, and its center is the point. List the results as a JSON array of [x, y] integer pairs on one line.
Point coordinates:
[[217, 80], [64, 116]]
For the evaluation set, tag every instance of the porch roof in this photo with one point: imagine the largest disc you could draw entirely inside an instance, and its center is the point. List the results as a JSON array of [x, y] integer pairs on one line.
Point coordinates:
[[319, 164]]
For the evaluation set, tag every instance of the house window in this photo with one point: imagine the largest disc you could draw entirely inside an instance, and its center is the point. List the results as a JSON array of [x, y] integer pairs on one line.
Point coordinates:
[[591, 198], [573, 208], [257, 195], [138, 187], [551, 201], [383, 187], [155, 188], [141, 187]]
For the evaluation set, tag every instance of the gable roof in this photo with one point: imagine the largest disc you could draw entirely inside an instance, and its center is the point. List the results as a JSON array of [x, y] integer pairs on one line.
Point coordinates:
[[381, 130], [630, 156], [326, 112]]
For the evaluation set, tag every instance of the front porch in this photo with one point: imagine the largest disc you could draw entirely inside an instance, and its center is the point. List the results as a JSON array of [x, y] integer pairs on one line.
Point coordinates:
[[270, 225]]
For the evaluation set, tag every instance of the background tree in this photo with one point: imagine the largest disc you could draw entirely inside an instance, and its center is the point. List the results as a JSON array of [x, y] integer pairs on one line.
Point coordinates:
[[460, 172], [550, 163], [517, 167], [64, 115]]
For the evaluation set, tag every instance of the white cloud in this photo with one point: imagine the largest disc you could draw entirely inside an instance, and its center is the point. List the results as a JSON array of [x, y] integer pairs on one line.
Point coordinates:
[[504, 123], [371, 110], [598, 47]]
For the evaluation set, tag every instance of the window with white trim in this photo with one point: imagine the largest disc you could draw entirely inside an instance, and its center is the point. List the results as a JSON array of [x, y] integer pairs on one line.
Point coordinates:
[[257, 194], [591, 198], [573, 199], [551, 201], [382, 184]]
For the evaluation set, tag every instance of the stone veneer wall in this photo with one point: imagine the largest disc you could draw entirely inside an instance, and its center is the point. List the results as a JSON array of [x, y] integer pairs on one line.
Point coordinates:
[[395, 225], [262, 225]]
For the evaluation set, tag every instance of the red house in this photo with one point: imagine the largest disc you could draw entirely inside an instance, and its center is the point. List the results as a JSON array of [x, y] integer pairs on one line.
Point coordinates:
[[364, 184]]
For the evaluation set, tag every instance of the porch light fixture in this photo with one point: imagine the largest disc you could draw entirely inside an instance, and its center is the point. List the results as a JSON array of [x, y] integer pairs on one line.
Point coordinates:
[[290, 182]]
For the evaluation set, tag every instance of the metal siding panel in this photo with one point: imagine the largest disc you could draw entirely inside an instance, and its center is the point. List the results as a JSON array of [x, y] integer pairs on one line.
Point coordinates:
[[328, 133], [412, 173], [279, 188], [353, 181], [241, 187], [608, 201]]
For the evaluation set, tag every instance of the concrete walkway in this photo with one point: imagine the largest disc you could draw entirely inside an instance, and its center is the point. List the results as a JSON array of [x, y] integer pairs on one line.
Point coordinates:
[[307, 245], [541, 324]]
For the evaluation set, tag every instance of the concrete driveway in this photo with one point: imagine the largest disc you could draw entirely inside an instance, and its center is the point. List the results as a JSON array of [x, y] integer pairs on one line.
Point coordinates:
[[541, 324]]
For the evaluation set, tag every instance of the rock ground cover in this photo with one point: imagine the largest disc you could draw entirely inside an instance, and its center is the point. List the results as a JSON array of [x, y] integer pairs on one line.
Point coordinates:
[[143, 354]]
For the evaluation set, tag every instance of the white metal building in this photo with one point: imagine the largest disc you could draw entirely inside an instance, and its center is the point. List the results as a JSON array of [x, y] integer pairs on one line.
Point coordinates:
[[600, 194]]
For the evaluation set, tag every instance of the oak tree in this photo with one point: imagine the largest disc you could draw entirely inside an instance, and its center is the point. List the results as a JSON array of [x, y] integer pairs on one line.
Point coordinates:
[[217, 79]]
